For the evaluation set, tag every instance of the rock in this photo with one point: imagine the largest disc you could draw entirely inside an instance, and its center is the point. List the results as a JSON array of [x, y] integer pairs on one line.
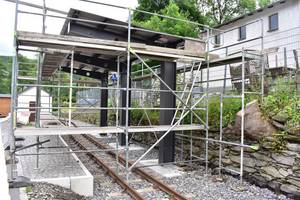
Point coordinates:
[[247, 161], [260, 163], [266, 177], [262, 157], [226, 161], [272, 171], [281, 117], [238, 149], [293, 147], [290, 189], [275, 185], [294, 182], [256, 127], [278, 125], [259, 180], [294, 130], [249, 169], [290, 153], [285, 160], [292, 138], [284, 172]]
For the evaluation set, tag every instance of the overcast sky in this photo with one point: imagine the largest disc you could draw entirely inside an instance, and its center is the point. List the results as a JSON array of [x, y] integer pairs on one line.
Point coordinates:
[[34, 23]]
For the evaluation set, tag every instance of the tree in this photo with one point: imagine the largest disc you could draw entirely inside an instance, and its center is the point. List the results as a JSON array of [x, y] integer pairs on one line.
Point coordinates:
[[27, 67], [220, 11], [189, 7], [168, 25], [5, 75], [263, 3]]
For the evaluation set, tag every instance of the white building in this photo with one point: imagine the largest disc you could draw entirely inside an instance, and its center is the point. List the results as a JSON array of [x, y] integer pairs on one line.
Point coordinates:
[[274, 28], [27, 99]]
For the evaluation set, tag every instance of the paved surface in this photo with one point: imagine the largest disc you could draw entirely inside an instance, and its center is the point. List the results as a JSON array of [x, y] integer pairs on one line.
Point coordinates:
[[167, 171], [50, 166]]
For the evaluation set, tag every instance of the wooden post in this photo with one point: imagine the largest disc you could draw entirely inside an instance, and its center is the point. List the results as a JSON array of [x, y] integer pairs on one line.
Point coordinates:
[[297, 74]]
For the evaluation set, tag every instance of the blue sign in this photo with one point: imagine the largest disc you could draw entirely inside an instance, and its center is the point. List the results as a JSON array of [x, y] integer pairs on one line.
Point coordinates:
[[114, 77]]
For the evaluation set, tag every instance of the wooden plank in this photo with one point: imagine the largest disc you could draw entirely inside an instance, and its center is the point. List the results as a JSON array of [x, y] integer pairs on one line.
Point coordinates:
[[68, 42]]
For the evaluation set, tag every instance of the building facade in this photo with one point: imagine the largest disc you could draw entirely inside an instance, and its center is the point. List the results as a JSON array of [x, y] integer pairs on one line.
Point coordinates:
[[275, 29]]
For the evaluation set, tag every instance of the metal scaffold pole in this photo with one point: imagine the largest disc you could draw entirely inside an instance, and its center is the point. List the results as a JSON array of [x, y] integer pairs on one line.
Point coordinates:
[[207, 101], [71, 88], [58, 92], [38, 104], [117, 113], [14, 93], [127, 91], [242, 116], [38, 87]]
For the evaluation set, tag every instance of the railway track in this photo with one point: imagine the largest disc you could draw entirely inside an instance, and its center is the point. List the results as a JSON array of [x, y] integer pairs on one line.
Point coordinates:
[[140, 183], [158, 184]]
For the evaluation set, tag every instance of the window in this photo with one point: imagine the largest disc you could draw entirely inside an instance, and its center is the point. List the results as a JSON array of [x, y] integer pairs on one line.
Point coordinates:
[[242, 33], [217, 40], [273, 22]]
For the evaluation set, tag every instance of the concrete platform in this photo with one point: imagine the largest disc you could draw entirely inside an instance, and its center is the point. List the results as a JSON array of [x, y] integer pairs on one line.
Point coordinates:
[[65, 170], [167, 171], [132, 147]]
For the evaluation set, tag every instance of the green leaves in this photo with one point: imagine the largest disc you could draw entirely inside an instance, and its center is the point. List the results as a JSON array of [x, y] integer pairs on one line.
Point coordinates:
[[283, 98], [168, 25]]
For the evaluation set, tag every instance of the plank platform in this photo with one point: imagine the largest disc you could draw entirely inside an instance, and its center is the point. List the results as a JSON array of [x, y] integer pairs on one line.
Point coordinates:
[[110, 47], [97, 130]]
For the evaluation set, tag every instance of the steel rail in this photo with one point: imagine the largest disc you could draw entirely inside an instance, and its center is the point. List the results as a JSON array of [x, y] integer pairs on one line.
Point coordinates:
[[130, 190], [159, 184]]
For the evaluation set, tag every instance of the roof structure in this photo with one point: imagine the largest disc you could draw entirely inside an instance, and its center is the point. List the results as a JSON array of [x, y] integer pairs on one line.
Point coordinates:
[[100, 59], [5, 96], [277, 3]]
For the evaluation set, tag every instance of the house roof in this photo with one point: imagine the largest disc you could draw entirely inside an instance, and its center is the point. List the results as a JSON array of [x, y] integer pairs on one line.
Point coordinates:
[[272, 5], [30, 88], [5, 95]]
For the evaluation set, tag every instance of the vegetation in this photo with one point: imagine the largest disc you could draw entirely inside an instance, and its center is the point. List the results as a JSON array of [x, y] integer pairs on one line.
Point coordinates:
[[209, 12], [283, 101], [169, 25], [27, 67], [189, 7]]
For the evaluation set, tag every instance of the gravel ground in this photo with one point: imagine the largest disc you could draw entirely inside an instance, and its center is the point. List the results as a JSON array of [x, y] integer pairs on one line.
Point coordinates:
[[47, 191], [197, 185], [194, 184]]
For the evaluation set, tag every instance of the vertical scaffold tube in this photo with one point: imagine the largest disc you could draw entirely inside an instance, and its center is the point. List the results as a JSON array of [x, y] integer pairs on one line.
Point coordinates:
[[14, 91], [207, 101], [71, 89], [242, 116], [127, 90]]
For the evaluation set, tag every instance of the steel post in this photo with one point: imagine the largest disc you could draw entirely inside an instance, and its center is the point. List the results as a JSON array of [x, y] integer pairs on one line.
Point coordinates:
[[167, 145]]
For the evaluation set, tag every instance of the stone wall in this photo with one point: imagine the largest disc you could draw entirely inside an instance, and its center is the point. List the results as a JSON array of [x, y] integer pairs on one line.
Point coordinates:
[[266, 167]]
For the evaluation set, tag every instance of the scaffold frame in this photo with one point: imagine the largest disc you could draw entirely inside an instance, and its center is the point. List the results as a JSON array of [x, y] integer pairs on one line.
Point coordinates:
[[124, 52]]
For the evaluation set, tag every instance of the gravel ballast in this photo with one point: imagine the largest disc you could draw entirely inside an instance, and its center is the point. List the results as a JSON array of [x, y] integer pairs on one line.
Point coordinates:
[[194, 184]]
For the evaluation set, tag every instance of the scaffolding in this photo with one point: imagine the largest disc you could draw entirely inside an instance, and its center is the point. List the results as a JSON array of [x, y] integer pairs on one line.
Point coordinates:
[[189, 102]]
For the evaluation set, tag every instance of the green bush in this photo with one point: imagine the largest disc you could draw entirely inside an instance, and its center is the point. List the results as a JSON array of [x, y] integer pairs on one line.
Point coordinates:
[[283, 98]]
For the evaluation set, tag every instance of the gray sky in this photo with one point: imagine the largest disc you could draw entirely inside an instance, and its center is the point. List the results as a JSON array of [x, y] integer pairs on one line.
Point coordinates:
[[34, 23]]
